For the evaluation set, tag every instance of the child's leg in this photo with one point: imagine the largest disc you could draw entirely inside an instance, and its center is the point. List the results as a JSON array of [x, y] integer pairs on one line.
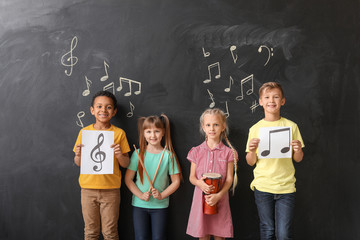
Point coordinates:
[[284, 212], [266, 206], [109, 210], [158, 223], [142, 224], [219, 238], [205, 238], [91, 213]]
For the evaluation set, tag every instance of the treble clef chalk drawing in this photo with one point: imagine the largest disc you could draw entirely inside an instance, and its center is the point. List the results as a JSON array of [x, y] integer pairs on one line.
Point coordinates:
[[270, 51], [68, 60], [97, 155]]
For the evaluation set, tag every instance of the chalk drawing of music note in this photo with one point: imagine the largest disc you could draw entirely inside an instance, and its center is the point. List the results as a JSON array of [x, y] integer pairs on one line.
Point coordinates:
[[284, 149], [86, 92], [212, 104], [70, 61], [79, 122], [248, 92], [206, 54], [234, 55], [227, 113], [132, 108], [106, 76], [110, 86], [217, 76], [270, 51], [231, 82], [97, 155], [254, 106], [130, 82]]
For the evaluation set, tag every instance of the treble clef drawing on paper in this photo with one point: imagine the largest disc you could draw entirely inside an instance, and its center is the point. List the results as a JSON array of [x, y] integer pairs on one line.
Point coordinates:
[[97, 155], [68, 60]]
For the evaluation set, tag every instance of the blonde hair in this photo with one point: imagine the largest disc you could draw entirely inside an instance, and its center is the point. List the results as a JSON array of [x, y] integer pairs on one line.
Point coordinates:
[[163, 123], [223, 135], [269, 86]]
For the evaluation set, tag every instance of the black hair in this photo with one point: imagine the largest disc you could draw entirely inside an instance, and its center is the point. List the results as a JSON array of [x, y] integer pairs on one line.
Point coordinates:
[[106, 94]]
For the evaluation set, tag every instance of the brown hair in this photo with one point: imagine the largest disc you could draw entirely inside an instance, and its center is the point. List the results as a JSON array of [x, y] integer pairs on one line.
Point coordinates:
[[223, 135], [163, 123], [269, 86]]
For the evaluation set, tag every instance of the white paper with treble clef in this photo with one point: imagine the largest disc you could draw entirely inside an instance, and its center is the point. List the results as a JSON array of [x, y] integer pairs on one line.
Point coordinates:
[[96, 155], [275, 142]]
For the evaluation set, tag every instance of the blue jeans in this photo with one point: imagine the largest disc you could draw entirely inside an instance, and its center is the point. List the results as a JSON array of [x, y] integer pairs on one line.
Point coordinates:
[[276, 212], [150, 223]]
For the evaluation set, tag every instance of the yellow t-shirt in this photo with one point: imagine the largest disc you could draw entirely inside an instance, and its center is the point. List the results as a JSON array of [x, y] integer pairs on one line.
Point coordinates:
[[105, 181], [274, 175]]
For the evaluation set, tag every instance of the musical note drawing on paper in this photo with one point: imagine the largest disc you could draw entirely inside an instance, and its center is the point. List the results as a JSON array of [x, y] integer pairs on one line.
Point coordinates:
[[227, 113], [86, 92], [234, 55], [231, 82], [79, 116], [110, 86], [68, 60], [217, 76], [106, 76], [212, 104], [243, 81], [254, 105], [97, 155], [132, 108], [130, 82], [275, 142], [206, 54], [270, 52]]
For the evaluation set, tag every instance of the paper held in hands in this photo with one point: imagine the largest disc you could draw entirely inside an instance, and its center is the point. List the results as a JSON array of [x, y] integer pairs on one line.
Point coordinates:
[[97, 157], [275, 142]]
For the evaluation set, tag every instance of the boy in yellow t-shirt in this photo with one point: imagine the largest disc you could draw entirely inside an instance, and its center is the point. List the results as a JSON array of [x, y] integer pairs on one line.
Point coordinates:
[[100, 193], [274, 178]]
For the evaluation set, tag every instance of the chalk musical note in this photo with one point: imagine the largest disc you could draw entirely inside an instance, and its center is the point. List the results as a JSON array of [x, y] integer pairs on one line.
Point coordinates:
[[106, 77], [217, 76], [284, 149], [231, 82], [248, 92], [234, 55], [80, 115], [70, 61], [132, 108], [254, 106], [227, 113], [212, 104], [206, 54], [130, 82], [99, 156], [270, 51], [110, 86], [88, 83]]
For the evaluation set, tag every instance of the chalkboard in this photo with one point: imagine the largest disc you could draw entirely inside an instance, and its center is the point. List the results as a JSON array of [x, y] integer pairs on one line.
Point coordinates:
[[177, 58]]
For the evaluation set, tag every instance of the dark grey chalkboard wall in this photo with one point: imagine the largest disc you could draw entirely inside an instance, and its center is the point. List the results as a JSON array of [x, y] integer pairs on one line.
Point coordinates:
[[310, 47]]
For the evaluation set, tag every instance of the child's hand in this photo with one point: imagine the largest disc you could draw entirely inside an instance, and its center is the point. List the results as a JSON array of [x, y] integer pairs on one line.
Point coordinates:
[[212, 199], [296, 144], [78, 150], [146, 196], [117, 150], [156, 194], [253, 144], [207, 189]]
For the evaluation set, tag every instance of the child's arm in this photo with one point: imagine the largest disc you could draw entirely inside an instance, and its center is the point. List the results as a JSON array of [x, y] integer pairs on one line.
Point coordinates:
[[129, 176], [77, 158], [123, 158], [298, 152], [200, 183], [175, 183], [251, 157], [212, 199]]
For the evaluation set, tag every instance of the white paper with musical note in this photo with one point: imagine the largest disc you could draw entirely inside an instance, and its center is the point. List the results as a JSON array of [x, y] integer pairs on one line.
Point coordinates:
[[275, 142], [96, 155]]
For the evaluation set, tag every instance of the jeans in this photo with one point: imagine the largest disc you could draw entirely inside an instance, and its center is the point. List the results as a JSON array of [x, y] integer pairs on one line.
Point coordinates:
[[150, 223], [276, 212]]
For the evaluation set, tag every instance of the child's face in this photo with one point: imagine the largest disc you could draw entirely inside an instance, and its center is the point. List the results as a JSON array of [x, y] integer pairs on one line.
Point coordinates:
[[153, 136], [103, 109], [213, 126], [272, 100]]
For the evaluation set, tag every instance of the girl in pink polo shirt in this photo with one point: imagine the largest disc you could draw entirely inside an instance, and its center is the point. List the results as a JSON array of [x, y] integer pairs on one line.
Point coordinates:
[[212, 156]]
